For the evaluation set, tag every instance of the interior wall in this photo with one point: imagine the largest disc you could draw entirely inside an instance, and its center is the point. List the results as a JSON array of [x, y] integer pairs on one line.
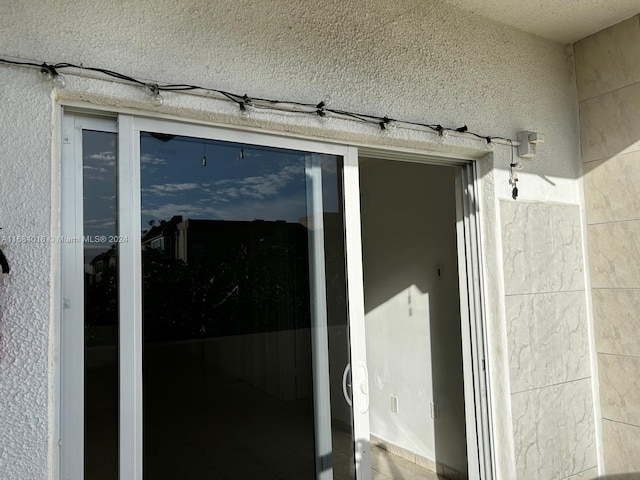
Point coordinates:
[[412, 317], [608, 79]]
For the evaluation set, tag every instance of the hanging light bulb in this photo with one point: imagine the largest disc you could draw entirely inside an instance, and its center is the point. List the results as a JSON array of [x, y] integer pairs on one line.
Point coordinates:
[[490, 144], [50, 73], [387, 125], [244, 114], [153, 90], [442, 133]]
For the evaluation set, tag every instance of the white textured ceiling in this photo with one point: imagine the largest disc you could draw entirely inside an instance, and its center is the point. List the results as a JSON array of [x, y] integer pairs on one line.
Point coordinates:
[[563, 21]]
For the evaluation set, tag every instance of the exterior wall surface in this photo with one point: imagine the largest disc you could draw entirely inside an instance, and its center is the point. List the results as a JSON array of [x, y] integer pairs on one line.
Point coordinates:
[[608, 78], [549, 358], [416, 60]]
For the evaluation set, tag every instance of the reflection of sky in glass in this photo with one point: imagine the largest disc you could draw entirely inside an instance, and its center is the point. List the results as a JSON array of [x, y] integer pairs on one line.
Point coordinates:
[[99, 188], [238, 182]]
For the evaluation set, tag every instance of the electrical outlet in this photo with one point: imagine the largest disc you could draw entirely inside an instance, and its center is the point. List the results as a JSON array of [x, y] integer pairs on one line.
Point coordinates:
[[394, 404]]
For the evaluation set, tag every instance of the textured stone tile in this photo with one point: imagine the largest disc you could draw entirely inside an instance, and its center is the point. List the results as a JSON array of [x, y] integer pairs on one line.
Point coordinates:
[[608, 60], [542, 247], [548, 339], [615, 321], [610, 124], [621, 447], [553, 431], [620, 388], [612, 188], [614, 254]]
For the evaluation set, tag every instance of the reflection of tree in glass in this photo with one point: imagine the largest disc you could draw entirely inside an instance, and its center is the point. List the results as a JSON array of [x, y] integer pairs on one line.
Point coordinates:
[[247, 277], [101, 301]]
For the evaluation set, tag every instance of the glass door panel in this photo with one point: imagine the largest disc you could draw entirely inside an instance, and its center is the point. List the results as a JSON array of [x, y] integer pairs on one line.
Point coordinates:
[[245, 324], [100, 305]]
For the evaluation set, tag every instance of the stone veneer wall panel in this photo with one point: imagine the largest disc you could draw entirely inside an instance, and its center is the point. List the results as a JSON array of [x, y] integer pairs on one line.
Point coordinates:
[[614, 188], [617, 329], [621, 447], [608, 61], [608, 79], [547, 331], [554, 431]]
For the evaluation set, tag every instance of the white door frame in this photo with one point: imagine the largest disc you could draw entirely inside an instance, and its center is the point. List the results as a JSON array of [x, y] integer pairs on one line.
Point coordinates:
[[480, 457], [72, 331], [128, 129]]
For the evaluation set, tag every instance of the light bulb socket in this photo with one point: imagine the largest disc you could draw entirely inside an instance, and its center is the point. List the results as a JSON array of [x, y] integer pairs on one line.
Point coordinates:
[[490, 144], [152, 89]]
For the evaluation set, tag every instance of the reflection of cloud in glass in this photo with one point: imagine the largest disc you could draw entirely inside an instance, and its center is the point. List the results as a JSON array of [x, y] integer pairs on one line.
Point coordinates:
[[261, 186], [96, 173], [290, 209], [149, 159], [187, 210], [169, 188], [99, 223], [108, 157]]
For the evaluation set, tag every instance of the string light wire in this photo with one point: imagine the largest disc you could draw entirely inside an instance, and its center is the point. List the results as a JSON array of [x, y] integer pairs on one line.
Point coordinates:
[[321, 110]]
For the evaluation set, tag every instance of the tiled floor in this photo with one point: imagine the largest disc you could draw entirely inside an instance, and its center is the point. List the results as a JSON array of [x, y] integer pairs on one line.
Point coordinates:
[[385, 465]]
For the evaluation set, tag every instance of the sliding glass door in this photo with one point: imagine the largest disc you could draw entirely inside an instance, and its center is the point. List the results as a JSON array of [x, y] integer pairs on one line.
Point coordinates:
[[225, 337]]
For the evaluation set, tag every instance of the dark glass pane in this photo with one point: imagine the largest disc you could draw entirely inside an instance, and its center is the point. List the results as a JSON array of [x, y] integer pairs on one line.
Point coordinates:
[[101, 306], [227, 354]]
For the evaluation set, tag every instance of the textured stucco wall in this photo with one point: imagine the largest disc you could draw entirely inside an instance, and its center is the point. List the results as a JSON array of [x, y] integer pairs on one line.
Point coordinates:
[[25, 209], [608, 79], [412, 59]]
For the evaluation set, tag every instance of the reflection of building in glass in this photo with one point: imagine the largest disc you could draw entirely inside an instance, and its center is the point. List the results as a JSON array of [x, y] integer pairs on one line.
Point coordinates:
[[162, 236], [102, 264], [221, 277]]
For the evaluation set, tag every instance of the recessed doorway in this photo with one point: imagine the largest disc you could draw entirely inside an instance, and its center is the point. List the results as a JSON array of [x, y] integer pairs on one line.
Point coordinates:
[[412, 319]]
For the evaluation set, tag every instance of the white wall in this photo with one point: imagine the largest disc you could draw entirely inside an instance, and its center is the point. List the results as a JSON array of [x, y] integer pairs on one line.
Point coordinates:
[[414, 348], [411, 59]]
